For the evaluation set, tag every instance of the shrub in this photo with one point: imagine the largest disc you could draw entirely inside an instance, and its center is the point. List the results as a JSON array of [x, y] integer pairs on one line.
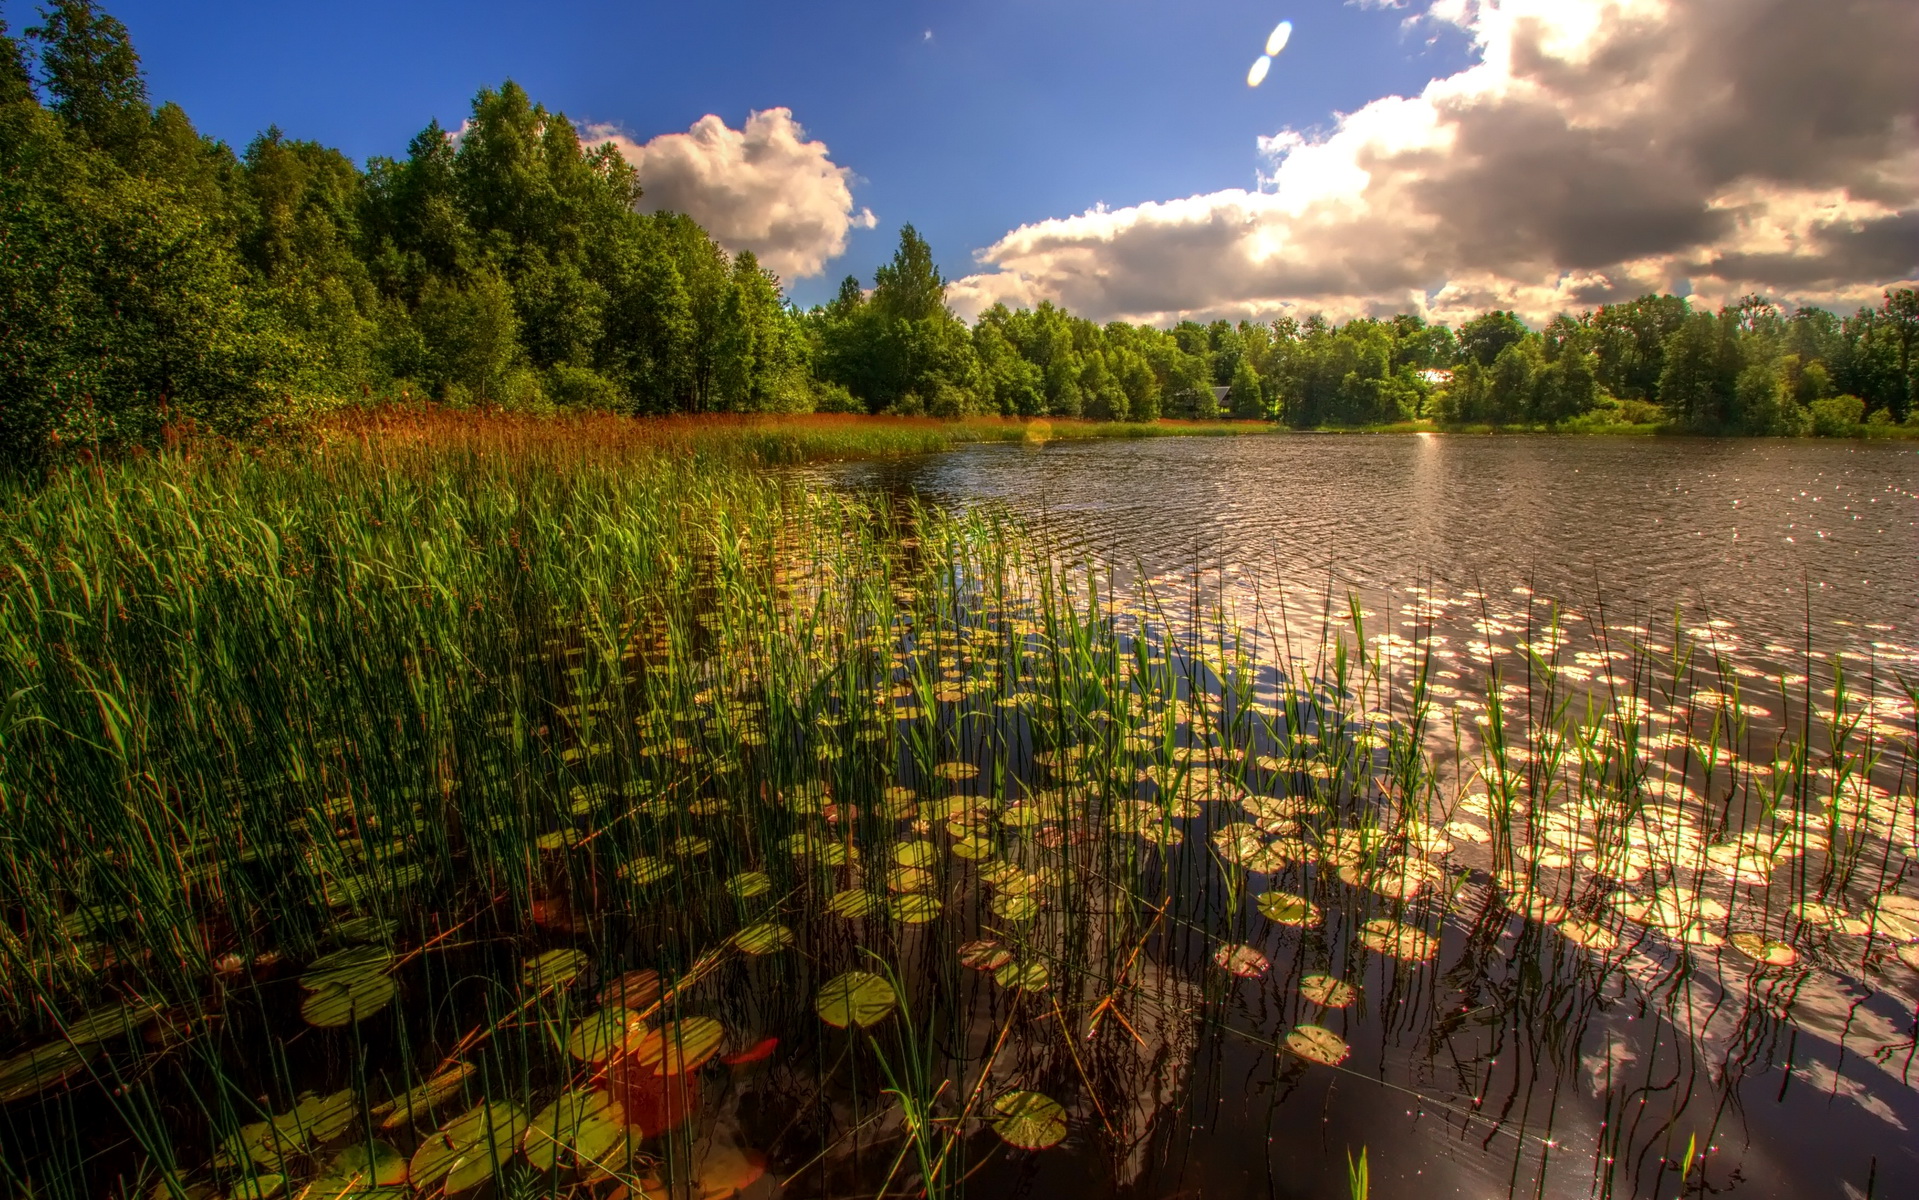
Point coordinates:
[[1838, 416]]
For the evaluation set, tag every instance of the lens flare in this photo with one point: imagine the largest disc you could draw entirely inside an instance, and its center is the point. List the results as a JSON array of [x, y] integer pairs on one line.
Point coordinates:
[[1277, 39], [1257, 75]]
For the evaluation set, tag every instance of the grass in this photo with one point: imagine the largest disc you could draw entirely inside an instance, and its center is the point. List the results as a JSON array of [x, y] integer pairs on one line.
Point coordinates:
[[491, 801]]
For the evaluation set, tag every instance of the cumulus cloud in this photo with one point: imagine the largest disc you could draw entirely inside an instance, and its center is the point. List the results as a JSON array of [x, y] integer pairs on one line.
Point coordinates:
[[1594, 151], [764, 188]]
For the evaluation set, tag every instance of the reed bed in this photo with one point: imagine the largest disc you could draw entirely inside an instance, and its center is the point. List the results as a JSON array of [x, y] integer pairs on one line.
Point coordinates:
[[564, 808]]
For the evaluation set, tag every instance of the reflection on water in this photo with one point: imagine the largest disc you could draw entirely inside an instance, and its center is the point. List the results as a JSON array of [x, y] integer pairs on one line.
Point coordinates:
[[1755, 532]]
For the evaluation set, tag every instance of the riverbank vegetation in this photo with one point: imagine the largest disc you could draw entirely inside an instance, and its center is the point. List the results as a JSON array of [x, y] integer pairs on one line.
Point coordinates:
[[152, 277]]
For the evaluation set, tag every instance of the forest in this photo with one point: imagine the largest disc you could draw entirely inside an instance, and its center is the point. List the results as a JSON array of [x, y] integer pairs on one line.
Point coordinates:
[[153, 279]]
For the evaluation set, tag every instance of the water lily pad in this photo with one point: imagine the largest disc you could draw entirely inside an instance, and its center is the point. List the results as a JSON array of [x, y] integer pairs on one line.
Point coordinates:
[[915, 908], [1288, 909], [467, 1150], [1316, 1043], [351, 965], [553, 969], [638, 989], [343, 1002], [1383, 935], [1031, 976], [1029, 1120], [725, 1171], [1243, 961], [984, 955], [973, 846], [1763, 950], [680, 1046], [763, 938], [360, 1171], [595, 1039], [855, 998], [40, 1068], [909, 879], [853, 903], [915, 854], [423, 1098], [113, 1021], [1328, 992], [1015, 908], [645, 869], [748, 884], [579, 1128], [956, 772], [1589, 934]]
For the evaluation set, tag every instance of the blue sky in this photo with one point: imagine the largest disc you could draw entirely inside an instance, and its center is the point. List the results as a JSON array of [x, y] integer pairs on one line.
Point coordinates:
[[1013, 110]]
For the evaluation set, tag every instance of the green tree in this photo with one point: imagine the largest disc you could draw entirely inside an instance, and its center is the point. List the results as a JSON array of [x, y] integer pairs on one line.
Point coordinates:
[[1243, 395], [93, 76], [16, 84]]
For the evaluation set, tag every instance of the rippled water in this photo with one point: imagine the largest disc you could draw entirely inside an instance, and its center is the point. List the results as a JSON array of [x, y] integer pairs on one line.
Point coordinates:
[[1759, 533]]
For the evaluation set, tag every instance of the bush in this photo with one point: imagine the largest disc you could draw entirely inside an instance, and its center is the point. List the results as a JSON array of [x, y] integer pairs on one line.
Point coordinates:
[[1838, 416], [580, 387]]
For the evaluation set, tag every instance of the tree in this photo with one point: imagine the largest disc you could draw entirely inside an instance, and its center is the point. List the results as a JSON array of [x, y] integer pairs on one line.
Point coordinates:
[[1901, 309], [1482, 338], [16, 84], [1690, 387], [1243, 396], [93, 76]]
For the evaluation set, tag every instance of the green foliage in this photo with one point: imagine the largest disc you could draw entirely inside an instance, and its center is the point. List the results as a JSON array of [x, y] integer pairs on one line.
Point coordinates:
[[1837, 416]]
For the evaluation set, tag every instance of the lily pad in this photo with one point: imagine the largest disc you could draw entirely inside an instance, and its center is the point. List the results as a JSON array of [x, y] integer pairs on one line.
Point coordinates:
[[361, 1171], [1029, 1120], [343, 1002], [645, 869], [1024, 976], [106, 1024], [856, 998], [424, 1098], [914, 854], [1383, 935], [1766, 951], [467, 1150], [1316, 1043], [763, 938], [853, 903], [1288, 909], [680, 1046], [915, 908], [578, 1128], [553, 969], [354, 964], [638, 989], [909, 879], [596, 1038], [1328, 992], [40, 1068], [984, 955], [748, 884], [1243, 961], [1015, 909]]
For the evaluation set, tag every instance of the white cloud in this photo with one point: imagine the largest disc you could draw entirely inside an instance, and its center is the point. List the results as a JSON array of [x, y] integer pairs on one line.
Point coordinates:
[[1595, 150], [764, 188]]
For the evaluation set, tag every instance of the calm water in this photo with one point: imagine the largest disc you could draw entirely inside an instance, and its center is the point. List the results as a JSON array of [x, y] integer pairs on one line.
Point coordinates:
[[1511, 1066], [1757, 533]]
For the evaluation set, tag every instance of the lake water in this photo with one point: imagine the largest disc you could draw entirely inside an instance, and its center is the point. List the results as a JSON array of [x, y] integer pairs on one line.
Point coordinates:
[[1514, 1063], [1757, 533]]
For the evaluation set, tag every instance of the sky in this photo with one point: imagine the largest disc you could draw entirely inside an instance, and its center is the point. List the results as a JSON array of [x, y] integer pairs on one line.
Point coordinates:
[[1443, 156]]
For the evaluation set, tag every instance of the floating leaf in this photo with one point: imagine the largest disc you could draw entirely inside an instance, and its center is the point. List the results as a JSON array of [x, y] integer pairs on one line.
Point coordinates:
[[1015, 908], [1589, 934], [1383, 935], [41, 1068], [579, 1127], [467, 1150], [352, 965], [852, 903], [114, 1021], [973, 846], [679, 1046], [344, 1002], [1243, 961], [914, 854], [645, 869], [418, 1101], [1764, 950], [914, 909], [1029, 1120], [1024, 976], [855, 998], [909, 879], [748, 884], [553, 969], [361, 1171], [724, 1171], [984, 955], [634, 989], [763, 938], [598, 1036], [1328, 992], [1288, 909], [1319, 1044]]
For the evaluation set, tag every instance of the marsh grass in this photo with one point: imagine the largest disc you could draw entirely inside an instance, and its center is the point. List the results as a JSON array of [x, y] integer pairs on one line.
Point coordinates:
[[343, 782]]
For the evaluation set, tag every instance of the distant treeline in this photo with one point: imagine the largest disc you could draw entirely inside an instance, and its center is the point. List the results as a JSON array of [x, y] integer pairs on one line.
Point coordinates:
[[151, 277]]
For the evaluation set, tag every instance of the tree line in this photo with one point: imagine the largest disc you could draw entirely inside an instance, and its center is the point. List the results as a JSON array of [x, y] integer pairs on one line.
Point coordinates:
[[152, 276]]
